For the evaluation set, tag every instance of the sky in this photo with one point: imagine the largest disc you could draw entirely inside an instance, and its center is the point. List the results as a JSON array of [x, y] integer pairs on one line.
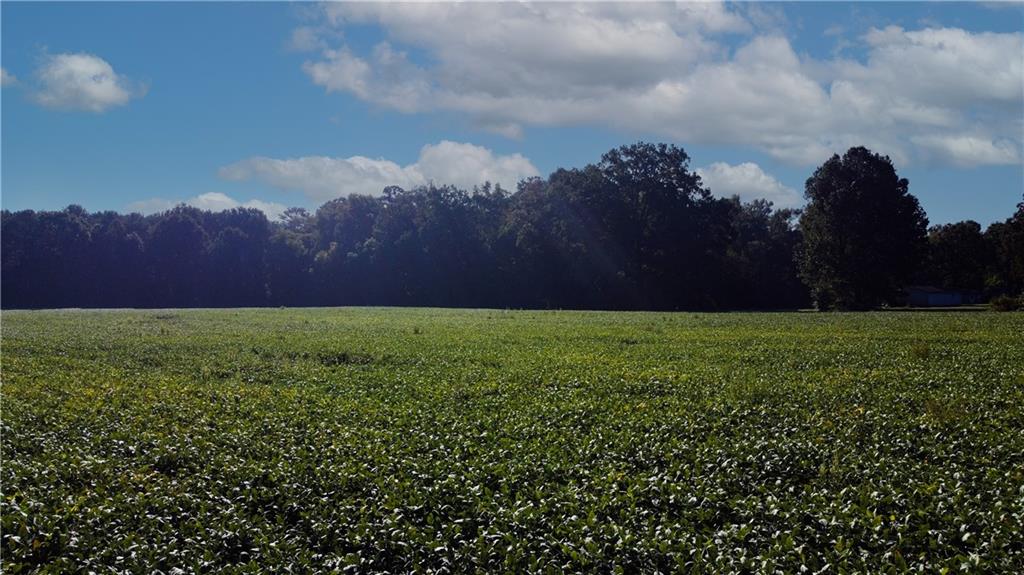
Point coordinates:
[[141, 106]]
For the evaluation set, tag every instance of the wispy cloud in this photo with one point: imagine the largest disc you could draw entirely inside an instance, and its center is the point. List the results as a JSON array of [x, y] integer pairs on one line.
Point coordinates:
[[6, 78]]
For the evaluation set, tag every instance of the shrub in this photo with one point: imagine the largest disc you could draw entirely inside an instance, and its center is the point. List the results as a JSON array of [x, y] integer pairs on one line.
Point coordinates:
[[1005, 303]]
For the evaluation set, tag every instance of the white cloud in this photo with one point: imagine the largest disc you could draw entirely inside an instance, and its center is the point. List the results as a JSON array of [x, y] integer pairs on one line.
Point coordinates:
[[389, 79], [967, 151], [545, 49], [466, 165], [665, 69], [81, 82], [323, 178], [218, 202], [6, 78], [749, 182], [211, 201], [942, 66]]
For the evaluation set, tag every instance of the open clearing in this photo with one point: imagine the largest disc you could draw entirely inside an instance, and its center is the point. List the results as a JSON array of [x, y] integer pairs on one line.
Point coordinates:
[[491, 441]]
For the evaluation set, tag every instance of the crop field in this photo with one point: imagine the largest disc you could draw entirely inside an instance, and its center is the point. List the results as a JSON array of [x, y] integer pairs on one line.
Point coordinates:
[[424, 440]]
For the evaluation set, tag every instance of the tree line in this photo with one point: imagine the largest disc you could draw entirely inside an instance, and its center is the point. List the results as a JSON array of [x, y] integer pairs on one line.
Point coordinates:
[[636, 230]]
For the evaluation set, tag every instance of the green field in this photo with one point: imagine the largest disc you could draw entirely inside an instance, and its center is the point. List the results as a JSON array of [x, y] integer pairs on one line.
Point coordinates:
[[370, 440]]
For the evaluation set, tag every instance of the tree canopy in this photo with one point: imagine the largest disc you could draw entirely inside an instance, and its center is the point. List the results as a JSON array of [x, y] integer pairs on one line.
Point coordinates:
[[864, 234], [636, 230]]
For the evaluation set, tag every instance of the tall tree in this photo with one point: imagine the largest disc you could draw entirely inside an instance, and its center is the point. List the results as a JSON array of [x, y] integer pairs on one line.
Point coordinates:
[[1007, 242], [665, 224], [864, 233], [958, 256], [289, 257], [177, 248], [236, 254], [761, 268]]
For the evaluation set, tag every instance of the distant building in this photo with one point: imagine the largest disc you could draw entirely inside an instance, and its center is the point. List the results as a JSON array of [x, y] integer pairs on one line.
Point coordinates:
[[931, 296]]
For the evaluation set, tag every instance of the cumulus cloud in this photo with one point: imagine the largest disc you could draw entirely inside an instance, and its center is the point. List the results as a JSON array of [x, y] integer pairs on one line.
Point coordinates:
[[388, 78], [211, 201], [6, 78], [749, 182], [82, 82], [667, 69], [323, 178], [466, 165], [918, 65], [549, 49]]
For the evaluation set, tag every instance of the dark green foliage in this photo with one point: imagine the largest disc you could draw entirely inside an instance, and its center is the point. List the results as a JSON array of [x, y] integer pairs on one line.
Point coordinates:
[[1007, 243], [637, 230], [486, 441], [1006, 303], [177, 249], [864, 234], [958, 256], [762, 256]]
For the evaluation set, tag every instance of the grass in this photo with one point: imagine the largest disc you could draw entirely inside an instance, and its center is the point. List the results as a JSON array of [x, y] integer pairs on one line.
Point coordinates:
[[371, 440]]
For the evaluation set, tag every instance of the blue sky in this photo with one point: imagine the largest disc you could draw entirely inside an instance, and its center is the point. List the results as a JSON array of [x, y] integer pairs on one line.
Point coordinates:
[[138, 106]]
